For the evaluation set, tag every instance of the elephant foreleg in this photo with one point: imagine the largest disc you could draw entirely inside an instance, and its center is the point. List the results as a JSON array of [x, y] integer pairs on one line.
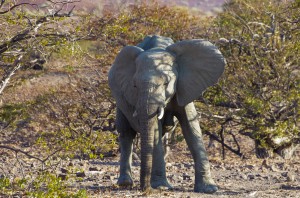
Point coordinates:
[[158, 175], [192, 133], [127, 134]]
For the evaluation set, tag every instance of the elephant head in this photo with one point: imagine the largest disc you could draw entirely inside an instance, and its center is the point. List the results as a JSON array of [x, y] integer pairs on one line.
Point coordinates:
[[148, 76]]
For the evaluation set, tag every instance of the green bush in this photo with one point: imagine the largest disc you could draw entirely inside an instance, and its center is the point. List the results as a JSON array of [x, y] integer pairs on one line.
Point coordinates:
[[260, 42]]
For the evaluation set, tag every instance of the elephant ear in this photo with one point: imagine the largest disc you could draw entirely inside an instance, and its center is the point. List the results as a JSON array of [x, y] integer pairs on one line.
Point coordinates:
[[122, 72], [200, 64]]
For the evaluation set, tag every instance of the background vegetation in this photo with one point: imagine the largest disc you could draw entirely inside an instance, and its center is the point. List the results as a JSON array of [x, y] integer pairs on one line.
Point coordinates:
[[55, 103]]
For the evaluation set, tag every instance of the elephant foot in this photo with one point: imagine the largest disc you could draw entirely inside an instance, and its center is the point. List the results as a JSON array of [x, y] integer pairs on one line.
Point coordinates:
[[207, 186], [125, 181]]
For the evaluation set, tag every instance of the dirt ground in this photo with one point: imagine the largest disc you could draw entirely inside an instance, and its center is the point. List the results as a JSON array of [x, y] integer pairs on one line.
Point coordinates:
[[235, 177]]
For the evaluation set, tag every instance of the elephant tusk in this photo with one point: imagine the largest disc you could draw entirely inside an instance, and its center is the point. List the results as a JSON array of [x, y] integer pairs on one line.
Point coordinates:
[[134, 114], [161, 113]]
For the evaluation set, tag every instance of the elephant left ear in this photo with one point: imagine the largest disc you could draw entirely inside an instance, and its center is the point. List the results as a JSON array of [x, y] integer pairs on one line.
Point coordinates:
[[200, 64]]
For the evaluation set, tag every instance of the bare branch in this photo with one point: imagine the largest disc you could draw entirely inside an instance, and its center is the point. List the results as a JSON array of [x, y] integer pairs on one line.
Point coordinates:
[[15, 6], [21, 151], [17, 66], [22, 35], [215, 137]]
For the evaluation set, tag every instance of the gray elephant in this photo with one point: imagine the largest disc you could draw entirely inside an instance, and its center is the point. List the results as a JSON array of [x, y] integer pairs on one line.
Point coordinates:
[[153, 82]]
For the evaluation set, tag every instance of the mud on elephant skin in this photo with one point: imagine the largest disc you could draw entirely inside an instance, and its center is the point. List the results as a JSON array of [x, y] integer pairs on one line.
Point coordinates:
[[152, 83]]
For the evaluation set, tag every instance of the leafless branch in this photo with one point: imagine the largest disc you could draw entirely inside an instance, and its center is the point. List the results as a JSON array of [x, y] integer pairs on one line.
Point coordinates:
[[14, 6], [24, 33], [215, 137], [6, 79], [16, 150]]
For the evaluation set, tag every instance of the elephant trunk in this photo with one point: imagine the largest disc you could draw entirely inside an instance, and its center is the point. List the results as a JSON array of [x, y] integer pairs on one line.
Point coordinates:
[[147, 146], [148, 121]]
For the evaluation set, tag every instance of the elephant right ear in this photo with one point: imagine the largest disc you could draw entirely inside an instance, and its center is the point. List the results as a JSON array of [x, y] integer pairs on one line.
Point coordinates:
[[121, 74]]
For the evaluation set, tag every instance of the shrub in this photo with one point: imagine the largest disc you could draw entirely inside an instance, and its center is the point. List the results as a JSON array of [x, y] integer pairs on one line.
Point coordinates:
[[261, 88]]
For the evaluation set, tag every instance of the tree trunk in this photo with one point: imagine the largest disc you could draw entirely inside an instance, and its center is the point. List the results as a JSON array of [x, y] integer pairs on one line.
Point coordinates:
[[262, 152]]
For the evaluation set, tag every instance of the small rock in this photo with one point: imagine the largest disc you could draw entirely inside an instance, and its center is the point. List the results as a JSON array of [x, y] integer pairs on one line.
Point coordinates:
[[62, 176], [93, 169], [276, 178], [252, 194], [265, 163], [37, 67], [70, 164], [186, 177], [290, 177], [264, 170], [251, 167], [266, 177], [80, 174], [244, 176], [26, 144], [274, 168], [168, 164], [187, 165], [256, 168], [251, 177], [63, 170], [107, 177], [174, 168]]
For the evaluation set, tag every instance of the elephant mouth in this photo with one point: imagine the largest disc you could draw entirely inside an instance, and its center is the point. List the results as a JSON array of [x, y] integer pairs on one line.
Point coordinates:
[[160, 113]]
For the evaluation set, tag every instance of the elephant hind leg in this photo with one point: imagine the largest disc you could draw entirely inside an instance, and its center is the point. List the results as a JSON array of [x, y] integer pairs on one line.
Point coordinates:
[[126, 137]]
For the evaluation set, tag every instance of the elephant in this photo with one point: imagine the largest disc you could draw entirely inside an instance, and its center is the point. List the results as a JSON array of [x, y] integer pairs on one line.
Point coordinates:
[[152, 83]]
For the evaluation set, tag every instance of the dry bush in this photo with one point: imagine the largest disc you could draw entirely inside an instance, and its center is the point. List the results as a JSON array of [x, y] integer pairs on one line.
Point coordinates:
[[259, 94]]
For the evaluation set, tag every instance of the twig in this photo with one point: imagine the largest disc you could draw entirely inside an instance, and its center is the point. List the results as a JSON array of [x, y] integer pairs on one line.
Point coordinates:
[[15, 6], [8, 77], [16, 150], [222, 141], [236, 142], [215, 137], [21, 151]]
